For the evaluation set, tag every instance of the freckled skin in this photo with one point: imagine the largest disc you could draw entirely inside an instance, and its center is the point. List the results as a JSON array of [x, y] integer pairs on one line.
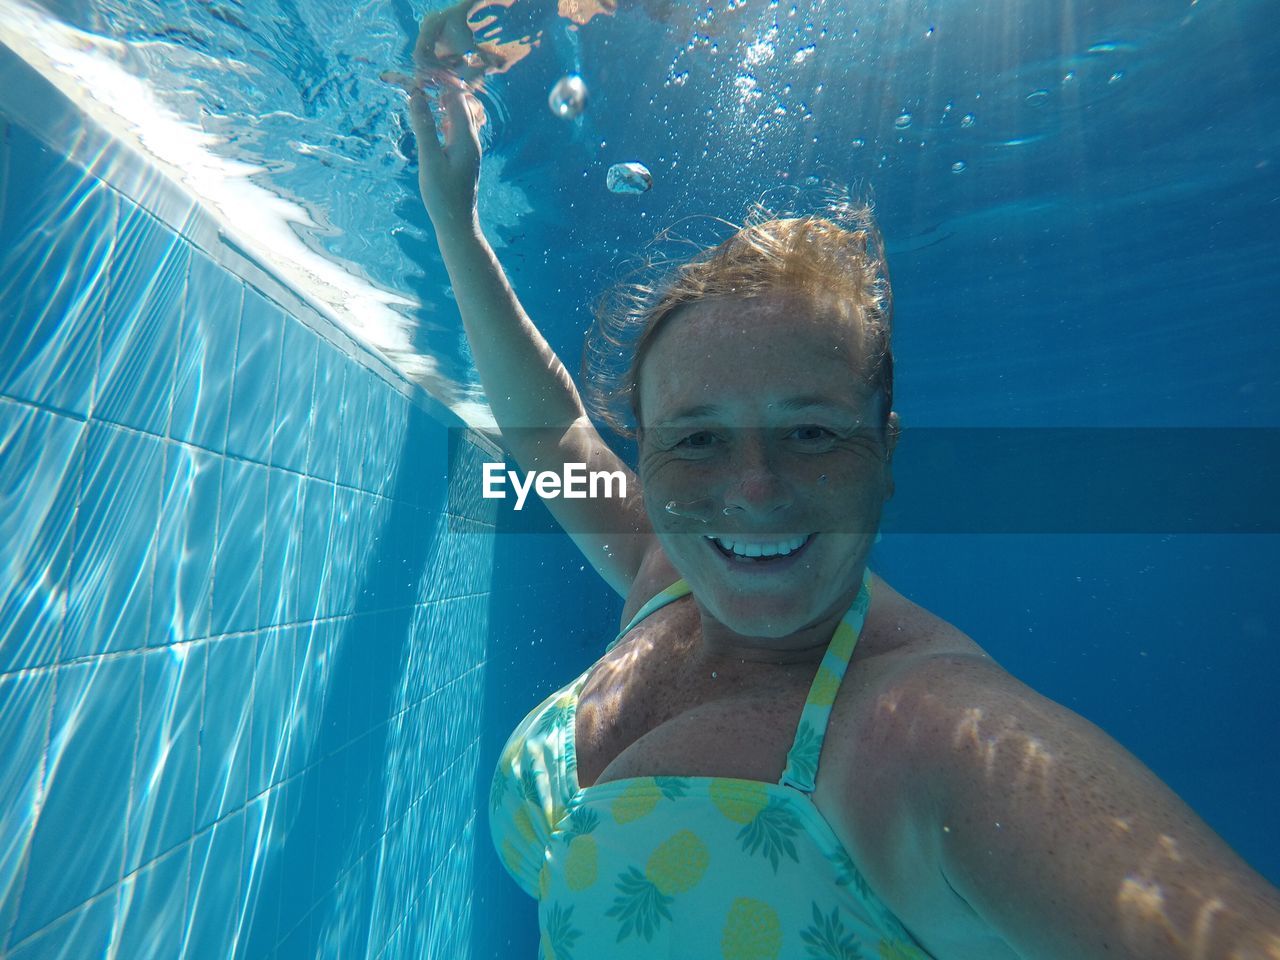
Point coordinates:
[[746, 358]]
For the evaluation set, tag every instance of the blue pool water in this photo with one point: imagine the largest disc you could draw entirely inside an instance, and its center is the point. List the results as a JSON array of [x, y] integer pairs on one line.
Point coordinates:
[[258, 657]]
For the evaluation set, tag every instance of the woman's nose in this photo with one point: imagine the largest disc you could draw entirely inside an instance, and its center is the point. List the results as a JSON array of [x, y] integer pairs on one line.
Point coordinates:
[[755, 485]]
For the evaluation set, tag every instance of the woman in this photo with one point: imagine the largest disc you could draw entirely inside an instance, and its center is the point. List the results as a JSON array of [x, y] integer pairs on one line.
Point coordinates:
[[785, 757]]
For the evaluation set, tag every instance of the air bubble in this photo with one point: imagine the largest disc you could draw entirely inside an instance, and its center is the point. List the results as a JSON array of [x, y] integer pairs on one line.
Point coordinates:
[[968, 120], [903, 120], [628, 178], [958, 167], [1038, 98], [568, 98]]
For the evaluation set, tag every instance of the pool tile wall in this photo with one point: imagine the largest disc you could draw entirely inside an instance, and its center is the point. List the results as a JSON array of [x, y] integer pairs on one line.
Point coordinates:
[[241, 639]]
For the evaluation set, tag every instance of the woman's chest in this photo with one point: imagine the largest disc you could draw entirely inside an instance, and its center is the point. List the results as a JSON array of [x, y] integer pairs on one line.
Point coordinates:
[[655, 721]]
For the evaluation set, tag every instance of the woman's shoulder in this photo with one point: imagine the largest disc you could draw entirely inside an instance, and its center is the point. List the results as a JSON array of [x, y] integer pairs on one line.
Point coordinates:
[[901, 629], [656, 573]]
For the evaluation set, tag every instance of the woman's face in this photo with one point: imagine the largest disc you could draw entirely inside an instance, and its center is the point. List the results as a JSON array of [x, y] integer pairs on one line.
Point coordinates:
[[759, 431]]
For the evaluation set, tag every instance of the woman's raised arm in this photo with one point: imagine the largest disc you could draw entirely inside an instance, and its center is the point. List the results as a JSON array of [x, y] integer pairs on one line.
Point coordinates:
[[533, 398]]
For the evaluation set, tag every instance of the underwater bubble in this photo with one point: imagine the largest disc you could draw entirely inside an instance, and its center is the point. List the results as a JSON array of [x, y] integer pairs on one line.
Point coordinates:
[[628, 178], [903, 120], [857, 142], [568, 97], [958, 167], [968, 120], [1116, 77], [822, 479], [803, 54], [692, 509], [1038, 98], [1112, 46]]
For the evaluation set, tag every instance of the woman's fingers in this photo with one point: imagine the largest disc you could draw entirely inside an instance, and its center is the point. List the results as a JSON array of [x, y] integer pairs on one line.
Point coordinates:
[[462, 135], [424, 125]]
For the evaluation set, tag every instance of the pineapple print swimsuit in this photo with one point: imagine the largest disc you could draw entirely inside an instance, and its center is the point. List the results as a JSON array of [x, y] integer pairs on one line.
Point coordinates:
[[690, 867]]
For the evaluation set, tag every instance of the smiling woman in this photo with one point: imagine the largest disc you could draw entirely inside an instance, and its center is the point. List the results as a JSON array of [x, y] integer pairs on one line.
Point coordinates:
[[760, 407], [712, 786]]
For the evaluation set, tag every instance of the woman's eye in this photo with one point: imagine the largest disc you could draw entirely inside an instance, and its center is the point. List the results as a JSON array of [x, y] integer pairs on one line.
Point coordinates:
[[702, 438], [813, 432]]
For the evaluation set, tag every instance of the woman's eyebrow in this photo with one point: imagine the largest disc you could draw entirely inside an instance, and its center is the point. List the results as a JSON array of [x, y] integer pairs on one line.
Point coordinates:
[[690, 413], [788, 404], [811, 400]]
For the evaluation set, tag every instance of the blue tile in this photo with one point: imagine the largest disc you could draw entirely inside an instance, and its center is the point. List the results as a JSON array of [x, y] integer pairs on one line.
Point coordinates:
[[182, 591], [375, 515], [215, 888], [282, 549], [86, 933], [238, 561], [258, 931], [356, 430], [163, 811], [313, 661], [293, 421], [206, 354], [328, 402], [424, 462], [274, 684], [109, 602], [153, 909], [225, 729], [95, 717], [338, 796], [253, 398], [387, 421], [141, 320], [346, 555], [366, 684], [261, 933], [57, 242], [296, 862], [317, 518], [41, 456], [25, 704], [395, 563]]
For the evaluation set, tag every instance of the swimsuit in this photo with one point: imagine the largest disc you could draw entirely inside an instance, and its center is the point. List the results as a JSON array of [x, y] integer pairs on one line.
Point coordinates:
[[690, 867]]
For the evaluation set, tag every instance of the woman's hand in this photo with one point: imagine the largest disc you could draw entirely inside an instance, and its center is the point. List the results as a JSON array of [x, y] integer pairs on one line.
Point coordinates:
[[446, 57], [448, 167]]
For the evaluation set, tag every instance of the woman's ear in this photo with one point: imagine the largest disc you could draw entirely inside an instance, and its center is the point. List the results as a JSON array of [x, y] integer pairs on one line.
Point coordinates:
[[892, 428]]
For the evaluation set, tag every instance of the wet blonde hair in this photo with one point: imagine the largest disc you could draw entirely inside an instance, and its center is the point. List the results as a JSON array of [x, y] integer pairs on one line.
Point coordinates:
[[811, 257]]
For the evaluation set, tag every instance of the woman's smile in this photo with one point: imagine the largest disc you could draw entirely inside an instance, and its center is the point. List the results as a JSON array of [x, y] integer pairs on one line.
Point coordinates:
[[760, 558]]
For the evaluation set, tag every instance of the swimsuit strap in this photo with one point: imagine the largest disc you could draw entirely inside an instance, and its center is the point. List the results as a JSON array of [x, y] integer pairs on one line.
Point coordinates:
[[802, 760], [660, 599]]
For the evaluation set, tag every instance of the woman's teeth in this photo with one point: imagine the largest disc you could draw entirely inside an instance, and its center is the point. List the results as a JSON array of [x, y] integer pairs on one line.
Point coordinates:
[[747, 549]]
